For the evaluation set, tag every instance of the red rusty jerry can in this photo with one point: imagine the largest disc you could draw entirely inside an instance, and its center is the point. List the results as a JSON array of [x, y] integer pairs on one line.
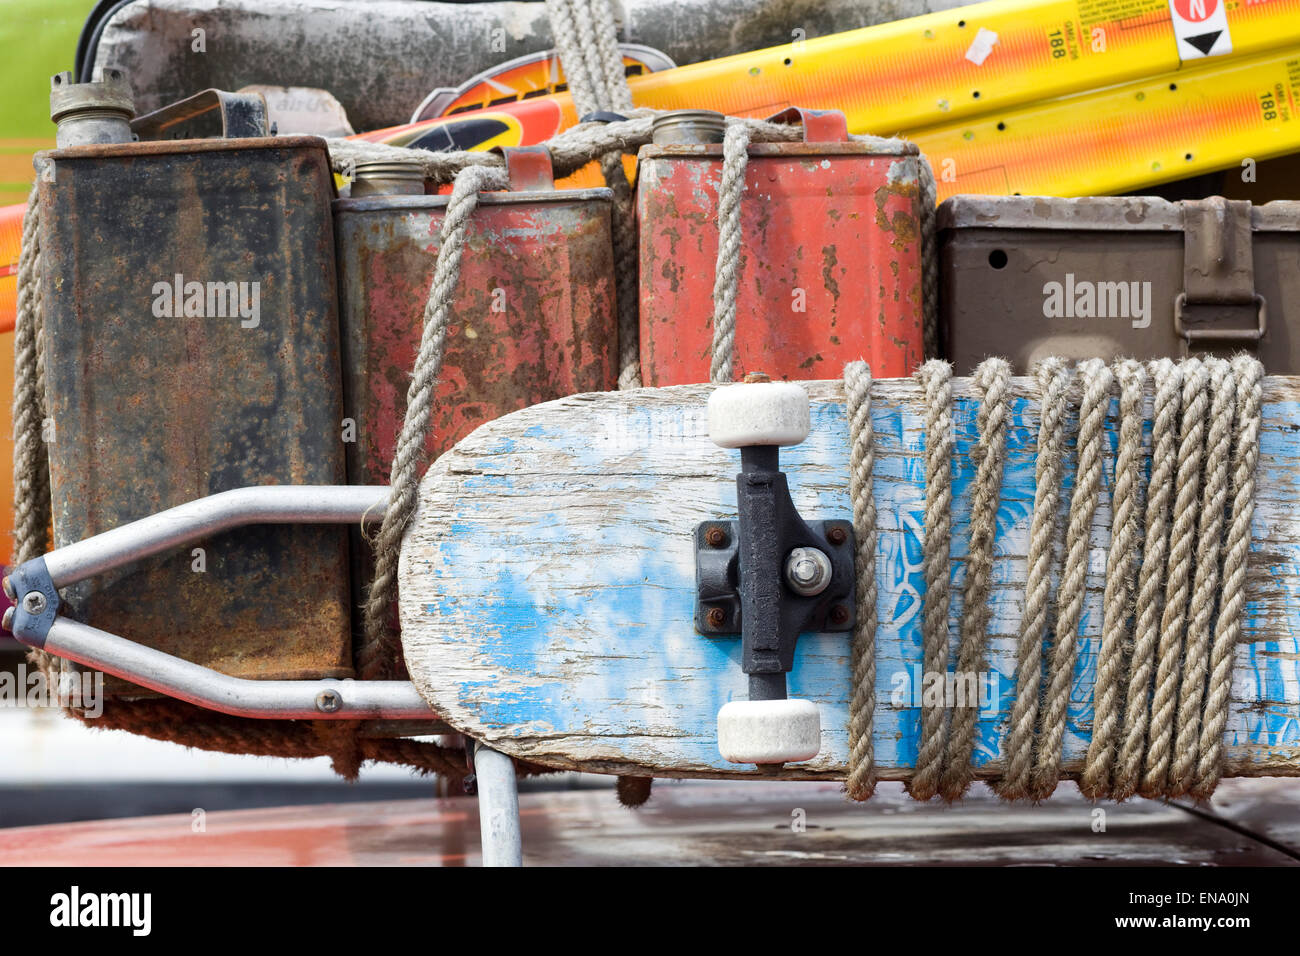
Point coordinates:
[[534, 320], [830, 267]]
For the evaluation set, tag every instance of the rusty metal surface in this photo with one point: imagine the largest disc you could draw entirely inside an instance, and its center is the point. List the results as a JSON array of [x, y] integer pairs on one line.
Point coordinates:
[[381, 65], [830, 260], [208, 113], [152, 409], [1000, 255], [534, 319]]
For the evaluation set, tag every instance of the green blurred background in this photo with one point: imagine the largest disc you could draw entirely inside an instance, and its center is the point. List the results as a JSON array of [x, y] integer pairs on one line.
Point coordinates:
[[37, 39]]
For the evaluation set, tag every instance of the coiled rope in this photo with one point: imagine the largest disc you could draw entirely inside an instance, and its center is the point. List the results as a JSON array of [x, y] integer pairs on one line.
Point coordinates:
[[1164, 668], [862, 463], [377, 656], [992, 380]]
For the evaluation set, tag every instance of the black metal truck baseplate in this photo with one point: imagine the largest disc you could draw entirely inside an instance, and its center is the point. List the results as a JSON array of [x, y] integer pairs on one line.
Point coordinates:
[[741, 580]]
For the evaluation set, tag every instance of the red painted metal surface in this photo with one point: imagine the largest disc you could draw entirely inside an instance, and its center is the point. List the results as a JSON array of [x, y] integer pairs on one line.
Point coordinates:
[[830, 259], [534, 319]]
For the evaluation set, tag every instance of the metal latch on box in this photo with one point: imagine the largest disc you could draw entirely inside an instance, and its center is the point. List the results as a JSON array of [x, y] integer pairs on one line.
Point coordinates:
[[1219, 307]]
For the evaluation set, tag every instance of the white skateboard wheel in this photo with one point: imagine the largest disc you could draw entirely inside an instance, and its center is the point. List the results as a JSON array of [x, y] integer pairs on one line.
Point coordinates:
[[769, 731], [758, 413]]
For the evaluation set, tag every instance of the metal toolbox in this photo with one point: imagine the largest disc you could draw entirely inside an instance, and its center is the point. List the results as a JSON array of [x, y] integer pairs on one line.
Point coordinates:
[[191, 347], [1026, 277]]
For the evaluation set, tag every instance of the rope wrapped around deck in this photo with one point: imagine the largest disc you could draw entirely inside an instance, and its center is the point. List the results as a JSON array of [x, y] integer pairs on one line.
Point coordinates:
[[1175, 574]]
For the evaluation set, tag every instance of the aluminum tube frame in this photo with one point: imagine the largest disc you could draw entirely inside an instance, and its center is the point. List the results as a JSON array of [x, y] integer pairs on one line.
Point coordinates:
[[283, 699], [179, 678], [498, 807], [195, 520]]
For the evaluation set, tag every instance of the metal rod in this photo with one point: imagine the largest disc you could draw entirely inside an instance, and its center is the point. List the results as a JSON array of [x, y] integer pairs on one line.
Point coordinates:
[[196, 520], [498, 807], [311, 699]]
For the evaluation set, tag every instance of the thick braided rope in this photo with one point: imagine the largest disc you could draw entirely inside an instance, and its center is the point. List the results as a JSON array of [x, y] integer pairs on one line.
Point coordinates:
[[1191, 449], [862, 460], [585, 19], [1121, 569], [617, 94], [586, 38], [935, 378], [1205, 580], [627, 252], [1248, 374], [583, 72], [377, 652], [1095, 378], [1167, 379], [31, 464], [731, 188], [992, 381], [1053, 377]]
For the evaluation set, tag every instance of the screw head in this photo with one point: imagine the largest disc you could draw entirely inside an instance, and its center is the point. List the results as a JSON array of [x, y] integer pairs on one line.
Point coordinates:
[[329, 702], [807, 571], [716, 617], [839, 614], [715, 536], [34, 602], [837, 535]]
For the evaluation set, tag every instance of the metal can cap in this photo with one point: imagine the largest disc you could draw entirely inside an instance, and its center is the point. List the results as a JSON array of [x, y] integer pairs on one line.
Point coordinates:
[[389, 177], [688, 127], [109, 91]]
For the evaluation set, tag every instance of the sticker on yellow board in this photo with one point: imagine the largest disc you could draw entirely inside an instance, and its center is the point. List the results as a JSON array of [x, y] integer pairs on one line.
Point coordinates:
[[1200, 28]]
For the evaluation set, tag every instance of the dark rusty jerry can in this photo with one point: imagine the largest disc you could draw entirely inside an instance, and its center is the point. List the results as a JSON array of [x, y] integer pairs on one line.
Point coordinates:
[[192, 347], [534, 317], [1105, 277], [830, 261]]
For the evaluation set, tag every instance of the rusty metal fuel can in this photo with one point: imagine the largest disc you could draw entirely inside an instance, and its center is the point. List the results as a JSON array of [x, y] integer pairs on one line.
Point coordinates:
[[534, 318], [1105, 277], [192, 347], [830, 262]]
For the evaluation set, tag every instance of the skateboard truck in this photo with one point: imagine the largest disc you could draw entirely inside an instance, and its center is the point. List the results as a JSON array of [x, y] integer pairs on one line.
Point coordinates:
[[770, 575]]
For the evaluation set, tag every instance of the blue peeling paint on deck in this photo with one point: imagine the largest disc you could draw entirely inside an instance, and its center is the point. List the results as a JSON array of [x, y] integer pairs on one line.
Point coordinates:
[[524, 617]]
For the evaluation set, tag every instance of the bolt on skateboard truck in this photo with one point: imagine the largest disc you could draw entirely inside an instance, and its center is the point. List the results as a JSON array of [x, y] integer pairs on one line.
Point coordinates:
[[769, 575]]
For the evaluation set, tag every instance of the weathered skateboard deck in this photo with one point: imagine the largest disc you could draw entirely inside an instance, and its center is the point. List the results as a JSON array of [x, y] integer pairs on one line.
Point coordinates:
[[548, 584]]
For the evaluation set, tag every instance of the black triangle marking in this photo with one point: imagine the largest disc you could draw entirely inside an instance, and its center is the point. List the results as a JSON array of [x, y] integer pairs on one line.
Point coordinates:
[[1204, 42]]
